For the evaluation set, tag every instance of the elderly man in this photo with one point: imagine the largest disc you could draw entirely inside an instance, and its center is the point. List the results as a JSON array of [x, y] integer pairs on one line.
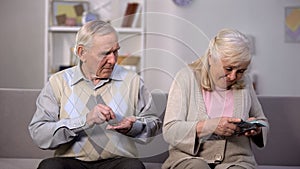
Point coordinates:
[[93, 113]]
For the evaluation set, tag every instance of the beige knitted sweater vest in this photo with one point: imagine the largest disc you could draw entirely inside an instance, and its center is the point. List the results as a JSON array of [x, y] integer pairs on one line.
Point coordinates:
[[80, 98]]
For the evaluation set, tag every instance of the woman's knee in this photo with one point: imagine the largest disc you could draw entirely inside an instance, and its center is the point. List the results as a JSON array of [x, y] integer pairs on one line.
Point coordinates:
[[236, 167], [193, 164]]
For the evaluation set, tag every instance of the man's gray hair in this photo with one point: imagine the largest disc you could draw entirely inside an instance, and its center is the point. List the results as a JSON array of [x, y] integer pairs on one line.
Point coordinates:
[[86, 33]]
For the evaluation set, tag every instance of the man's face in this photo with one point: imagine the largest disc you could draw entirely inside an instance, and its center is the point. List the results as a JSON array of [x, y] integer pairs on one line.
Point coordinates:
[[101, 58], [226, 73]]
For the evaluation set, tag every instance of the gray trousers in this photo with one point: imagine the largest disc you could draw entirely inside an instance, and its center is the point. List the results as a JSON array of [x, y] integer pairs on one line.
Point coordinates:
[[199, 164]]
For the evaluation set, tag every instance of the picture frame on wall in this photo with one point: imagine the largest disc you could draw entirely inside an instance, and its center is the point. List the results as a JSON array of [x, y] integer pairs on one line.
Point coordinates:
[[68, 13], [292, 24]]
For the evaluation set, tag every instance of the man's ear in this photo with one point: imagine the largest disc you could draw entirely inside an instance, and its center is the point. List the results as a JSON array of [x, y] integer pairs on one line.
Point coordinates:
[[81, 52]]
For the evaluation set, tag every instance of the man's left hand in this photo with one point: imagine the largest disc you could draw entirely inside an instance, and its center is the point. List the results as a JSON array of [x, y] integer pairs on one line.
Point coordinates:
[[123, 126]]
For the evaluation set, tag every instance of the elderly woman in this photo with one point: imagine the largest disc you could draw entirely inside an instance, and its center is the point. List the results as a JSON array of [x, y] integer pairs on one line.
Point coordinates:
[[207, 101]]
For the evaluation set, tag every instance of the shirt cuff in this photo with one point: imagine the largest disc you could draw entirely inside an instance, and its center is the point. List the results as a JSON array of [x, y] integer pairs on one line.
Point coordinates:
[[72, 123], [136, 128]]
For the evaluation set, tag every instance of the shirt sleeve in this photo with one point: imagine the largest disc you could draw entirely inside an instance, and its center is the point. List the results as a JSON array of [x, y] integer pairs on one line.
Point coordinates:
[[148, 123], [46, 129]]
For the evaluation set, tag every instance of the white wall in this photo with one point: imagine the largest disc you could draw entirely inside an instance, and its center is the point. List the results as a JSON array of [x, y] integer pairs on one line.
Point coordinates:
[[178, 35], [175, 36], [21, 44]]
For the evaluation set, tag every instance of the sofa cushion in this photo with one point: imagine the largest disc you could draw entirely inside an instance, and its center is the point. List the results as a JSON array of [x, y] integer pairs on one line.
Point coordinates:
[[283, 146], [19, 163], [17, 109]]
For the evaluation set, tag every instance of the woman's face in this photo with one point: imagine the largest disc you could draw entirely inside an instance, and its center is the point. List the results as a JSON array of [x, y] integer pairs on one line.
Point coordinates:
[[225, 73]]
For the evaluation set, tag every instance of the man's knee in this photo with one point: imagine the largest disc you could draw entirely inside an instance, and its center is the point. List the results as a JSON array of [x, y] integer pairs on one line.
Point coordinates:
[[59, 163], [50, 163]]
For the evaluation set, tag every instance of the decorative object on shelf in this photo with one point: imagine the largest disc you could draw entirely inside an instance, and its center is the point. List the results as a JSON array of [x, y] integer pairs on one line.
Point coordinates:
[[131, 14], [292, 24], [102, 8], [129, 62], [182, 2], [89, 16], [68, 13]]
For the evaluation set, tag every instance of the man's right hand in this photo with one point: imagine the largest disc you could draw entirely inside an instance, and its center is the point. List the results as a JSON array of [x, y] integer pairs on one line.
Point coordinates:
[[99, 114]]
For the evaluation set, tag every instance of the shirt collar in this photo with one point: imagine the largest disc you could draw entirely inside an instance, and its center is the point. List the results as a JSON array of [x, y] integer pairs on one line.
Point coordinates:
[[117, 74]]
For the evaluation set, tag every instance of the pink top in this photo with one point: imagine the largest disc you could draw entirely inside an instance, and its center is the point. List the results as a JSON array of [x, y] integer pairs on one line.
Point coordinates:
[[219, 103]]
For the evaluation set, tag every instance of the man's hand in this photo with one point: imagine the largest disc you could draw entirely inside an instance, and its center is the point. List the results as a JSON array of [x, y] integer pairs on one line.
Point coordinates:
[[99, 115], [123, 126]]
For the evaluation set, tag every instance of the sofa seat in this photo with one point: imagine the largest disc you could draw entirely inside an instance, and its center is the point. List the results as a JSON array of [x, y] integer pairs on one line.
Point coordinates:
[[19, 163]]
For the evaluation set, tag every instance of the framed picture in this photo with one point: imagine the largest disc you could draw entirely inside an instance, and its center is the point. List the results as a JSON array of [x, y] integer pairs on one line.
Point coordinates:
[[68, 13], [292, 24]]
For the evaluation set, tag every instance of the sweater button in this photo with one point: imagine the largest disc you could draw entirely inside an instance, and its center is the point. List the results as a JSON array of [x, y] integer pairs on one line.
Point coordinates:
[[218, 157]]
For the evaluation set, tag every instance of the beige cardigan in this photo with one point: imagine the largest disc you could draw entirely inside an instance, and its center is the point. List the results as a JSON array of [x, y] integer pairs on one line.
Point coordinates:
[[186, 107]]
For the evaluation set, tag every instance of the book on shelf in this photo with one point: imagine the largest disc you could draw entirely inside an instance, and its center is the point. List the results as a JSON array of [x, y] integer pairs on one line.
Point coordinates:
[[131, 15], [129, 62]]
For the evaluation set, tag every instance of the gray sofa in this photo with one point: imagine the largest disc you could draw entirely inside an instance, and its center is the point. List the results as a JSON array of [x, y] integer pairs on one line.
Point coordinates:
[[18, 151]]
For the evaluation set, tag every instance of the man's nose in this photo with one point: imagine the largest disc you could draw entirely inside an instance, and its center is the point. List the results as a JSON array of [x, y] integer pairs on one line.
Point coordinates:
[[112, 57]]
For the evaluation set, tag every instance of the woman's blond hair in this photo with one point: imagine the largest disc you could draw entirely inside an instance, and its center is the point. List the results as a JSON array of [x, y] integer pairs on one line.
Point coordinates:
[[229, 45]]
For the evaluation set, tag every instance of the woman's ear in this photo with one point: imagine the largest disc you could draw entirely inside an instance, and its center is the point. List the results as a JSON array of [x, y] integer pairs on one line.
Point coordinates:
[[209, 60]]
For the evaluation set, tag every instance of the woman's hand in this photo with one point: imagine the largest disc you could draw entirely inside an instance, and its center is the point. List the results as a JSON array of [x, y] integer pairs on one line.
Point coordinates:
[[226, 126], [223, 126], [253, 132]]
